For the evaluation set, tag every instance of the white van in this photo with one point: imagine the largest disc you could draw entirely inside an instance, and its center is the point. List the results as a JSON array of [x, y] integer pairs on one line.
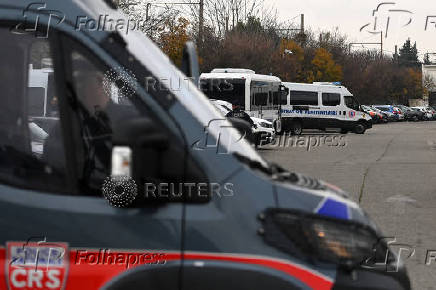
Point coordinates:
[[259, 95], [321, 106]]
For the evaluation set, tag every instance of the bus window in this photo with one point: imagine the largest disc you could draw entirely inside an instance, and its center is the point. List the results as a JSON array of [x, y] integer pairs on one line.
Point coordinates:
[[229, 90]]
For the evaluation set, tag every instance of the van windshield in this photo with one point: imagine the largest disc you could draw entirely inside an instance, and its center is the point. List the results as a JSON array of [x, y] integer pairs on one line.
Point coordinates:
[[229, 90], [351, 103], [188, 95]]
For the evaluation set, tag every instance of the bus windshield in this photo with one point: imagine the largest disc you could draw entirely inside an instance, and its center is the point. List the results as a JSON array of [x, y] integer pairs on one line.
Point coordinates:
[[229, 90]]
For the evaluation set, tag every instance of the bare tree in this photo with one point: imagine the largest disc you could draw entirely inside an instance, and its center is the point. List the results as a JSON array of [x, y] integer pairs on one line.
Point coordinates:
[[428, 83], [150, 16], [223, 16]]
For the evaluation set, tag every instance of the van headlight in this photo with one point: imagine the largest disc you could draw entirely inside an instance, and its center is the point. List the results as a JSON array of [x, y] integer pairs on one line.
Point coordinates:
[[320, 238]]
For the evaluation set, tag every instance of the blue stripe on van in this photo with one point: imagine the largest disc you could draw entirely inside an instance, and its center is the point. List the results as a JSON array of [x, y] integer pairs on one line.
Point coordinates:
[[333, 208]]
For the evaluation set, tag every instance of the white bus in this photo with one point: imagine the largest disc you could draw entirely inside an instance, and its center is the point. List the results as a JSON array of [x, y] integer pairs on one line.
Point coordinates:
[[259, 95], [322, 106]]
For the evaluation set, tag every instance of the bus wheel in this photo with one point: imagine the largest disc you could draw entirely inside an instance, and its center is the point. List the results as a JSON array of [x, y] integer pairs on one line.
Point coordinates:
[[359, 128], [296, 128]]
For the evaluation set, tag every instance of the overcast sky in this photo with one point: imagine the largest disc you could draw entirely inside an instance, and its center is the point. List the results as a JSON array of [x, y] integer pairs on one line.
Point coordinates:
[[351, 15]]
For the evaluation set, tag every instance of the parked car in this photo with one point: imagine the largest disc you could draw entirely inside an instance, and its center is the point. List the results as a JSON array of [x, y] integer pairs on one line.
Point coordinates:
[[262, 130], [426, 114], [388, 110], [384, 115], [431, 111], [410, 114], [397, 111], [376, 116]]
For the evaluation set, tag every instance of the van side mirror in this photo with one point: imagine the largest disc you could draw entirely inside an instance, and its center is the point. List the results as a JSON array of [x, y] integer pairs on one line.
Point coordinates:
[[145, 152], [284, 91], [190, 65]]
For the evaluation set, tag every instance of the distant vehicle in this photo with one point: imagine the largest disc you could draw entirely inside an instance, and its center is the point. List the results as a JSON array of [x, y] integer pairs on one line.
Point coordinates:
[[322, 106], [391, 111], [409, 114], [384, 115], [259, 95], [263, 131], [432, 111], [427, 115], [376, 116], [397, 111]]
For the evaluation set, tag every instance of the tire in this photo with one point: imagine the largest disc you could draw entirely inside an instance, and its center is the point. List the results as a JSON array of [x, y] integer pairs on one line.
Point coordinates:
[[296, 128], [344, 131], [359, 128]]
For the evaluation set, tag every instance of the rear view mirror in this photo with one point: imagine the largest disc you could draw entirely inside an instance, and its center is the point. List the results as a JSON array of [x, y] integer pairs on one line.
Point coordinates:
[[284, 91], [190, 65]]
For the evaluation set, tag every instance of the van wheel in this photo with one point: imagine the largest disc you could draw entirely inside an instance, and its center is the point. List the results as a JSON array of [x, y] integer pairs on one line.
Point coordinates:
[[359, 129], [296, 128]]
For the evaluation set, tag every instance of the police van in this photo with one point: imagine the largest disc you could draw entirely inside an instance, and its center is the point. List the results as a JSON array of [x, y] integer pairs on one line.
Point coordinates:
[[321, 106], [259, 95], [157, 191]]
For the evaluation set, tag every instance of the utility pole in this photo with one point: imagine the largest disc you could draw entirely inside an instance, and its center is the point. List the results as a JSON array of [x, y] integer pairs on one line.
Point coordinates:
[[302, 24], [373, 43], [201, 24], [381, 44]]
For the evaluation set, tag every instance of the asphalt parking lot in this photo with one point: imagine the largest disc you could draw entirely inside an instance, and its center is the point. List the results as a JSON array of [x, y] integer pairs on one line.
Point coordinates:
[[390, 171]]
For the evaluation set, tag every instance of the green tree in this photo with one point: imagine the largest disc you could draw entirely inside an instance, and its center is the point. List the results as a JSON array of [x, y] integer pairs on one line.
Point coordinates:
[[408, 55]]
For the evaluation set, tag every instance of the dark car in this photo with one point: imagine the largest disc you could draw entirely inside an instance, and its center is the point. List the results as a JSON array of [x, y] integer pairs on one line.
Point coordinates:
[[144, 186], [410, 114]]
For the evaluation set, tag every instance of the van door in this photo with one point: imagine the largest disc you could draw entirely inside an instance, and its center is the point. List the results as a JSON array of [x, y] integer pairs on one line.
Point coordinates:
[[306, 107], [51, 183], [331, 102], [351, 107]]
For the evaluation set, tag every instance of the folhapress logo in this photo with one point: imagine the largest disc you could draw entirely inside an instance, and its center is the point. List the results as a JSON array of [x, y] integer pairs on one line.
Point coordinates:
[[32, 20]]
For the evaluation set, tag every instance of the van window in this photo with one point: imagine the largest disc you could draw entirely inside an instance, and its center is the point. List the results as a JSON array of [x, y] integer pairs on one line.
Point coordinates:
[[351, 102], [24, 127], [303, 98], [331, 99], [36, 101]]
